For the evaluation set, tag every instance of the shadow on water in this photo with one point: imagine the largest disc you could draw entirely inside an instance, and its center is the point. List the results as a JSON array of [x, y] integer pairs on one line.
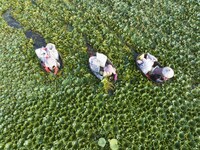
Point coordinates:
[[38, 40], [10, 20]]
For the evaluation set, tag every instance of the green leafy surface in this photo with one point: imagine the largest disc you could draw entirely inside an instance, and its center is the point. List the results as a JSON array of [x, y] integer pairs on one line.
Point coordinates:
[[72, 111], [113, 144], [102, 142]]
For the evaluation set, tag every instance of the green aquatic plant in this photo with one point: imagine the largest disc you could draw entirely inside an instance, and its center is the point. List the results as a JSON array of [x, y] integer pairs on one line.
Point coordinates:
[[73, 111], [113, 144], [107, 85], [102, 142]]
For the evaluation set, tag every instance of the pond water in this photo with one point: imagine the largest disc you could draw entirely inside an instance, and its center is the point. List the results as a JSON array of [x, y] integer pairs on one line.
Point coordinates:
[[10, 20], [38, 40]]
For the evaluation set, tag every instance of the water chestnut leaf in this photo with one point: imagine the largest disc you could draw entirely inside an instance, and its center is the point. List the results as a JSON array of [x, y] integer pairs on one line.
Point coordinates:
[[38, 110], [102, 142], [113, 144]]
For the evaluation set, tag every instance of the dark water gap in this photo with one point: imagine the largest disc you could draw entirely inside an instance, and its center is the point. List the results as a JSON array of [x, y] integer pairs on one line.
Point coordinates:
[[38, 40]]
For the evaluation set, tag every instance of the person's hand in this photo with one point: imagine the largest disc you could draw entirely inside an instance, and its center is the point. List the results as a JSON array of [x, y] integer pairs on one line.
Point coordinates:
[[47, 69], [55, 70], [106, 74], [44, 48], [115, 77], [139, 62]]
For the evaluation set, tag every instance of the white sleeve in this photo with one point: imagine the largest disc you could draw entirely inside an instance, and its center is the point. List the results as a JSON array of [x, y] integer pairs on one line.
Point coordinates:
[[153, 58], [39, 53]]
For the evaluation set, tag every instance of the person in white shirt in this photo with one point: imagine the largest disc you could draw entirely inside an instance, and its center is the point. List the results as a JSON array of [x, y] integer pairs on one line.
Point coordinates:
[[101, 67], [146, 63], [49, 57]]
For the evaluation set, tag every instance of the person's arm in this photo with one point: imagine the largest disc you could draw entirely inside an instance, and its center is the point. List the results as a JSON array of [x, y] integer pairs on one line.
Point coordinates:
[[156, 78], [115, 77], [153, 58], [56, 70], [159, 80], [47, 69]]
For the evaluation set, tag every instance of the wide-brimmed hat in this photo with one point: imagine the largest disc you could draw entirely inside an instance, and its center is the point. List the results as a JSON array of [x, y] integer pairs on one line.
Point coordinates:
[[50, 46], [168, 72]]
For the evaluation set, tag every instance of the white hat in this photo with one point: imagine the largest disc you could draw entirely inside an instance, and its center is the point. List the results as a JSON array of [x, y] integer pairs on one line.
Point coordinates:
[[50, 46], [102, 59], [167, 72]]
